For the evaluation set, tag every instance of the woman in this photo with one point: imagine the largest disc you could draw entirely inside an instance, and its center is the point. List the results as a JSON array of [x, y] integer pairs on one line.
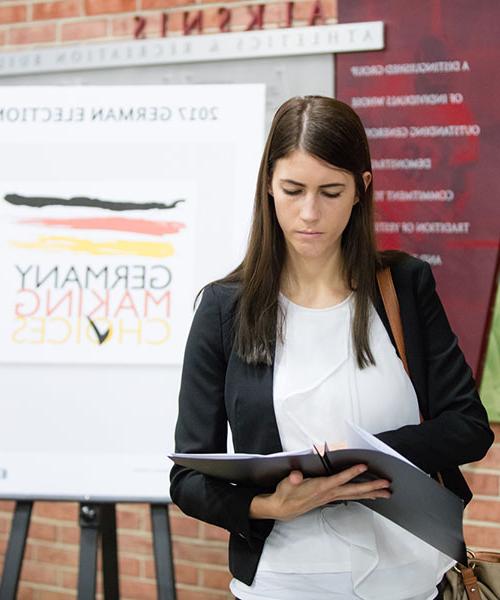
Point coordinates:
[[294, 343]]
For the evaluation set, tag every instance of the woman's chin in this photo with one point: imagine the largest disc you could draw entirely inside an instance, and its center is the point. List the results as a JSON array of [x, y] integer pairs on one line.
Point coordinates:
[[311, 253]]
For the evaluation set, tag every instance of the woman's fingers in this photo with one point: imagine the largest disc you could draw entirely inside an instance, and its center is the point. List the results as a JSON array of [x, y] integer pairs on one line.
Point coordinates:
[[347, 475], [363, 491], [340, 486], [385, 493], [344, 476], [295, 478], [296, 495]]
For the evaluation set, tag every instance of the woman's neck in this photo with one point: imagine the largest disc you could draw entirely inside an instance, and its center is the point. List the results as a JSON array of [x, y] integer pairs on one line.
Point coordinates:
[[316, 283]]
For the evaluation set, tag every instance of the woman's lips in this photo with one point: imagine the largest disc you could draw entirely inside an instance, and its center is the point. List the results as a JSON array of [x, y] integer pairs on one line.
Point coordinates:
[[310, 234]]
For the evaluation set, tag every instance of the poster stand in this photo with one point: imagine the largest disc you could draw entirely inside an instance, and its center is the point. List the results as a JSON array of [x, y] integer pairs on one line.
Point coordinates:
[[97, 521]]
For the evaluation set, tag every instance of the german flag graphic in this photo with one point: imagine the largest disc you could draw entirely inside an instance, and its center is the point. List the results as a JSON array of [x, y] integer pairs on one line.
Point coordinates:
[[114, 222]]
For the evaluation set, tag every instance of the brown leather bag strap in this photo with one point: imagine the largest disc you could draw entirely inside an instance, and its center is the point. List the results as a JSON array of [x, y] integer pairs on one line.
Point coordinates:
[[470, 583], [391, 305]]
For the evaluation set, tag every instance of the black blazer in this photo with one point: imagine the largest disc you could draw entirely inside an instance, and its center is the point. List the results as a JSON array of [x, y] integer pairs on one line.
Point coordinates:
[[217, 387]]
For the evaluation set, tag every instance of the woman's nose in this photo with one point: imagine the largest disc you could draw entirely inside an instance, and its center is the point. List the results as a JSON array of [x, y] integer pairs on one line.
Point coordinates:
[[309, 210]]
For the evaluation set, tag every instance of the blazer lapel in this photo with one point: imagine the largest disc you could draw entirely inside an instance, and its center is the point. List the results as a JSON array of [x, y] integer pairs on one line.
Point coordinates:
[[256, 420], [268, 415]]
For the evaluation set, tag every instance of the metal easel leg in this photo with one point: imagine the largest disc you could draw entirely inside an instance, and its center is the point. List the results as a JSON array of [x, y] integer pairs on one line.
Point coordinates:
[[109, 552], [89, 535], [15, 550], [162, 542]]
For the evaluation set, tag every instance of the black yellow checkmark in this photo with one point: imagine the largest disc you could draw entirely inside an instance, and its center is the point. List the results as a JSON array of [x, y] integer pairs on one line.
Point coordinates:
[[101, 337]]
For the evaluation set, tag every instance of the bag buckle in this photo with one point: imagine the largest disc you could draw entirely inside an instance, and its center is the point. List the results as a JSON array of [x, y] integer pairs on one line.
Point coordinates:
[[470, 560]]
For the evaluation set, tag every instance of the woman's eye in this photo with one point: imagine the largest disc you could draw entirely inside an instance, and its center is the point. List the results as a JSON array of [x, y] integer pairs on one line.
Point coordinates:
[[297, 192]]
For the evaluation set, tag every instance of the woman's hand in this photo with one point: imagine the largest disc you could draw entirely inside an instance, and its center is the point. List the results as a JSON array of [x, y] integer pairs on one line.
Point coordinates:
[[295, 495]]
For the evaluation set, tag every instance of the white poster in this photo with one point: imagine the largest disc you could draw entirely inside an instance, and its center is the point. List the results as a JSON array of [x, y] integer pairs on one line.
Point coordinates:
[[98, 229], [117, 205]]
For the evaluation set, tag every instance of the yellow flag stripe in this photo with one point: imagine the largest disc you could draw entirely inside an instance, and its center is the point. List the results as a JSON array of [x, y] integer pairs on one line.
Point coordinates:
[[113, 248]]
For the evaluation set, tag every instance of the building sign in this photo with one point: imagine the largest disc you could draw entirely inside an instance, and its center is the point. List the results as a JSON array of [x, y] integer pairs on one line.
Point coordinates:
[[428, 104], [321, 39], [195, 21]]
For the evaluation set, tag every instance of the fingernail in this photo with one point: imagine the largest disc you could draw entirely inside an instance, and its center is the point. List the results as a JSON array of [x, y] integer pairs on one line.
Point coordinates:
[[362, 468]]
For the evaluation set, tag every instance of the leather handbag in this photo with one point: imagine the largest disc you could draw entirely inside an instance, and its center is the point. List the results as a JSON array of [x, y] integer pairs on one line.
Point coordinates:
[[480, 578]]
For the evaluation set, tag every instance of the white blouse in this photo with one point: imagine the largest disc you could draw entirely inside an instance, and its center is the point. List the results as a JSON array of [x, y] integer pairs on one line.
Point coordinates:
[[317, 388]]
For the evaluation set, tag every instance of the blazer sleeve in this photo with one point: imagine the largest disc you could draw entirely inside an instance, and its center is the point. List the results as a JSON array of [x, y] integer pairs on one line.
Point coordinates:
[[457, 430], [202, 428]]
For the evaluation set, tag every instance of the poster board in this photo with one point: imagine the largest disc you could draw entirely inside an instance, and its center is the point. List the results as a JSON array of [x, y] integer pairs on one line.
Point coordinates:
[[84, 418]]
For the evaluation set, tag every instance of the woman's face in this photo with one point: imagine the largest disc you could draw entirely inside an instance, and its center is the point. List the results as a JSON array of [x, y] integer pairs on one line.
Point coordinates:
[[313, 202]]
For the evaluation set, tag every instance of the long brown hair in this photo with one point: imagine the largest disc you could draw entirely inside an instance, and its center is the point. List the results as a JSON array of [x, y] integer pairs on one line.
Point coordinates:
[[331, 131]]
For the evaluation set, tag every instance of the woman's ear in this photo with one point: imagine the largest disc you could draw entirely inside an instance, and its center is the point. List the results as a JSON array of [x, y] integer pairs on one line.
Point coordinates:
[[367, 178]]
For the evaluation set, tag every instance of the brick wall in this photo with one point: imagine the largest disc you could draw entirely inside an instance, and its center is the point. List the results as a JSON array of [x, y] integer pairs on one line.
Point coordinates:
[[482, 516], [39, 23], [50, 566], [51, 559]]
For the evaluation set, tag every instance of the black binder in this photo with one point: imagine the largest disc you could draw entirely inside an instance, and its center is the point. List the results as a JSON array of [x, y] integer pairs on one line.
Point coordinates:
[[418, 503]]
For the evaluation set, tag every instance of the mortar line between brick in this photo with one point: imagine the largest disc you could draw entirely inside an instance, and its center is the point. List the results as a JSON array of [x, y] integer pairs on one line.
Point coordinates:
[[488, 498], [487, 524]]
